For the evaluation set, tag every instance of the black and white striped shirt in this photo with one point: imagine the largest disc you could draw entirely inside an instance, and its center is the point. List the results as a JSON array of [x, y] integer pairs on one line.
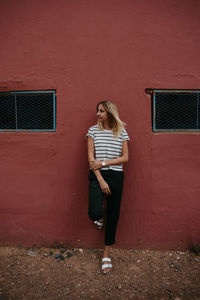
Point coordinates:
[[107, 146]]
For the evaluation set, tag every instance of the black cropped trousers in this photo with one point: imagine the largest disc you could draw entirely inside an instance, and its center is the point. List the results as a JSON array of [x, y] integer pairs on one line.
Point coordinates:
[[115, 181]]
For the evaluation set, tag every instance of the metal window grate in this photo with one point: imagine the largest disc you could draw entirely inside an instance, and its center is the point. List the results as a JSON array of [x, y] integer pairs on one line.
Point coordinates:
[[27, 111], [176, 110]]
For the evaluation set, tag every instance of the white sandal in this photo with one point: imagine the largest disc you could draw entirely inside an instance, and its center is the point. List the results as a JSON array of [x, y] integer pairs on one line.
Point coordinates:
[[99, 224], [104, 266]]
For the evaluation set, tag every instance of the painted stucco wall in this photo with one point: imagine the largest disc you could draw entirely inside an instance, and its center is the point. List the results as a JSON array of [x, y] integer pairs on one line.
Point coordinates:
[[90, 50]]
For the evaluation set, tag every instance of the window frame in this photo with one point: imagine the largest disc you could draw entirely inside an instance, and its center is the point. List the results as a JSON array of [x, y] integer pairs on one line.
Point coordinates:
[[53, 92], [153, 109]]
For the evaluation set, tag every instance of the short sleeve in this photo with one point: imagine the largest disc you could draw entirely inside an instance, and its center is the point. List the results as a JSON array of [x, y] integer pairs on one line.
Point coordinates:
[[125, 136], [90, 133]]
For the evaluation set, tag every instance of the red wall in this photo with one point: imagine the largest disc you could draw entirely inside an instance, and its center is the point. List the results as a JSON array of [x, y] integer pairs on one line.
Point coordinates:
[[89, 50]]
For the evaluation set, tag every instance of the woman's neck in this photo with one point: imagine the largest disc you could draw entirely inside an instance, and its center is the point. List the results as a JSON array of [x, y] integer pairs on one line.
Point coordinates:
[[106, 125]]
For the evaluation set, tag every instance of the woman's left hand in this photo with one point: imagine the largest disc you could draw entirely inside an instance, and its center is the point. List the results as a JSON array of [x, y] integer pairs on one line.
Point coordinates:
[[95, 165]]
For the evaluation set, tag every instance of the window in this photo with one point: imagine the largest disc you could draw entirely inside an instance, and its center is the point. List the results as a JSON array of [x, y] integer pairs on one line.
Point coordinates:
[[175, 110], [27, 111]]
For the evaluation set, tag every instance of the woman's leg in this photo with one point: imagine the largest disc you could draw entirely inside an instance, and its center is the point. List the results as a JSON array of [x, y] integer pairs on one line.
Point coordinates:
[[106, 251], [113, 212], [113, 208], [96, 196]]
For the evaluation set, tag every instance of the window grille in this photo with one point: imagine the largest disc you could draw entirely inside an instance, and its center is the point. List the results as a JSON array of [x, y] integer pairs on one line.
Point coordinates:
[[175, 110], [27, 111]]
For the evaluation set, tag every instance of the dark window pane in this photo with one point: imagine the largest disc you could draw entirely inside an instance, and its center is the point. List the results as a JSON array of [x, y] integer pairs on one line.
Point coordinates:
[[176, 110], [7, 111], [35, 111]]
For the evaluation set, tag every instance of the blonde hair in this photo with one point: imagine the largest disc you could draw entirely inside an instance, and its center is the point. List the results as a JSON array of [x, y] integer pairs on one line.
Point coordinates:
[[115, 123]]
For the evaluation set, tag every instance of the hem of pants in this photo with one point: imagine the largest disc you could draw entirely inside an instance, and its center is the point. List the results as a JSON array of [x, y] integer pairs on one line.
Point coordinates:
[[95, 218], [109, 244]]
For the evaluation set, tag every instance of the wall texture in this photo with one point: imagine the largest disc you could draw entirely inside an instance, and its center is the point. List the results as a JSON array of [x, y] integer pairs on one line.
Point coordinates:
[[90, 50]]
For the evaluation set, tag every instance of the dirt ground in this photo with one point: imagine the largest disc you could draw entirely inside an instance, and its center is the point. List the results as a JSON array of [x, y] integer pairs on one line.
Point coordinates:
[[63, 273]]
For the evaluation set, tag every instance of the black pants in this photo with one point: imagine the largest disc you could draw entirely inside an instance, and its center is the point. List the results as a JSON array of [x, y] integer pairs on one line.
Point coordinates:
[[115, 181]]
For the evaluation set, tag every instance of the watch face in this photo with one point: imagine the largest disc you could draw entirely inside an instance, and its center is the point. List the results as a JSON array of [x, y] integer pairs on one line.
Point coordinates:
[[103, 163]]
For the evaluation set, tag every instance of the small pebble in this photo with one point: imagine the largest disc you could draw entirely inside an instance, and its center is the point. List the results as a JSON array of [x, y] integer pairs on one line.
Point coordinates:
[[78, 284], [119, 287], [69, 254], [32, 253], [177, 267], [70, 266]]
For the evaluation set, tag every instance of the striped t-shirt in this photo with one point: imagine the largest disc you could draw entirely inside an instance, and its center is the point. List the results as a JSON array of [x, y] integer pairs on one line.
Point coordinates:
[[107, 146]]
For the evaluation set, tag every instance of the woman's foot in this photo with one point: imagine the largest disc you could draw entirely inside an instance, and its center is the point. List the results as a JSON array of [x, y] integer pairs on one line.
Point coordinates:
[[99, 224], [106, 265]]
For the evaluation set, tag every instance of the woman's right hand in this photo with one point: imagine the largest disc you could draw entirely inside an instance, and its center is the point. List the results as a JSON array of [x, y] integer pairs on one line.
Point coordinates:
[[104, 187]]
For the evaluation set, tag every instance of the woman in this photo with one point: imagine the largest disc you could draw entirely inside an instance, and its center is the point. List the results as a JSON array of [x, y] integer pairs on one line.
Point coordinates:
[[107, 151]]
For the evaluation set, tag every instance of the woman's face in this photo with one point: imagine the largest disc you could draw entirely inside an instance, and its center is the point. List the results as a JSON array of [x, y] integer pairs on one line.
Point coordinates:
[[102, 114]]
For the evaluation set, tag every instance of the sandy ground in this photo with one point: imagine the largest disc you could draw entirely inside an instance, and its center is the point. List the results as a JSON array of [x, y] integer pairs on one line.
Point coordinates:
[[63, 273]]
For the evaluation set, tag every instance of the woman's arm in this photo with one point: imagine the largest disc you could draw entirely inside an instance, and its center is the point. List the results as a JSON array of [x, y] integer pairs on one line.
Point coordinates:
[[103, 184], [96, 164]]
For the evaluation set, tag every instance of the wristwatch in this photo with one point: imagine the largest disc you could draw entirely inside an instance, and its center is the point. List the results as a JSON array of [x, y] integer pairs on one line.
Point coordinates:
[[103, 163]]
